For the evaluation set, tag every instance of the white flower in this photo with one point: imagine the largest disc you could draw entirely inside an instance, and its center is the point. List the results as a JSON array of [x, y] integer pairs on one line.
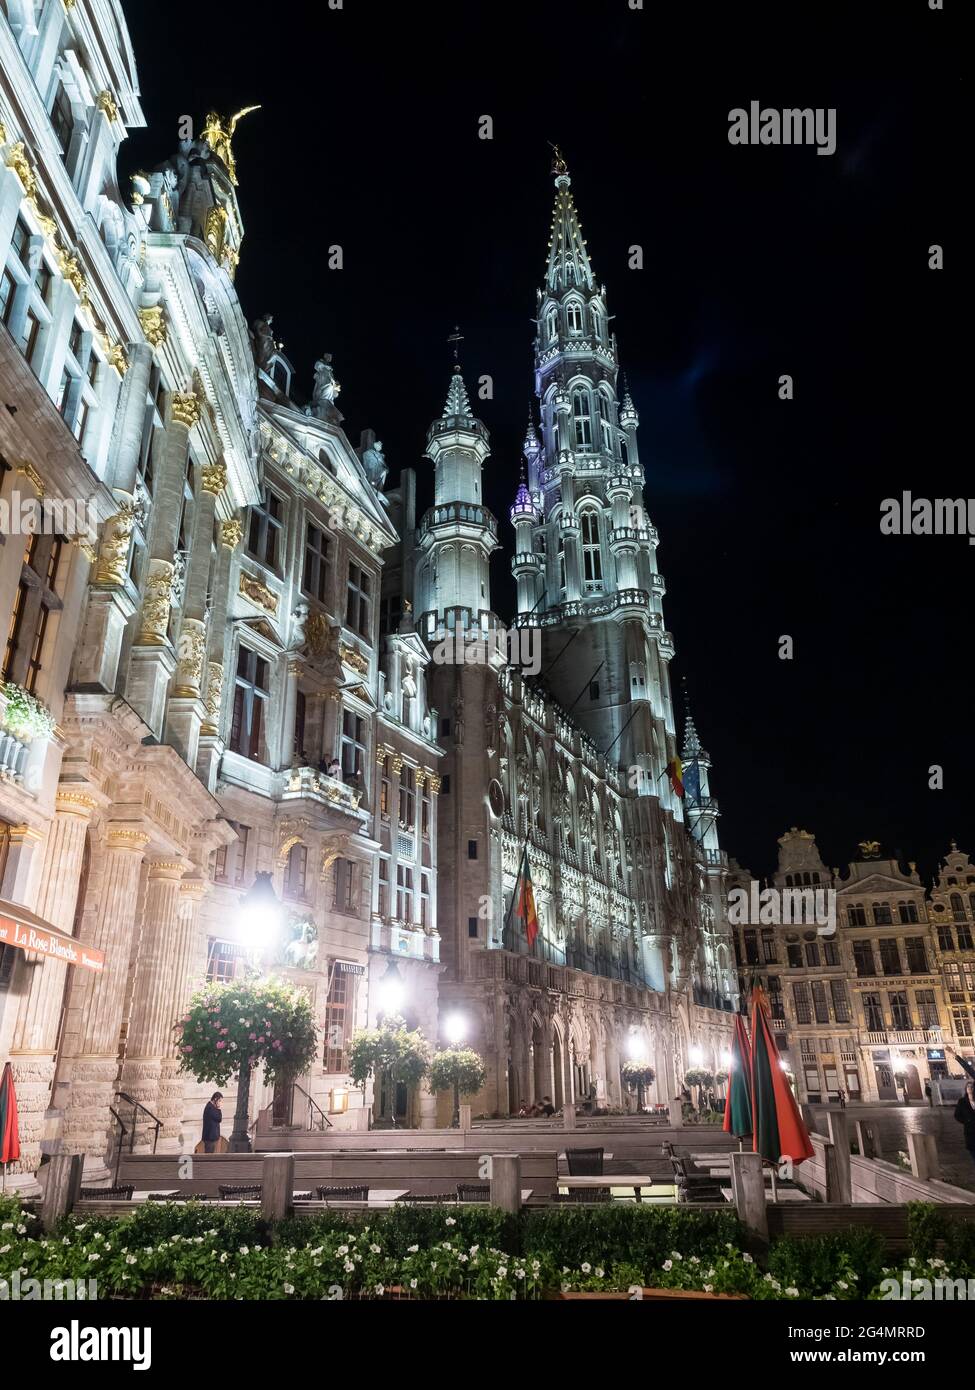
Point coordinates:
[[130, 1260], [708, 1288], [842, 1284], [21, 1229], [348, 1266], [7, 1226], [451, 1221], [245, 1249], [344, 1250], [792, 1291], [412, 1283], [374, 1249], [380, 1290], [587, 1268], [289, 1288], [223, 1258], [474, 1249], [566, 1288], [599, 1273], [4, 1249], [747, 1258], [94, 1257], [668, 1264], [410, 1249], [695, 1260], [676, 1255], [502, 1271]]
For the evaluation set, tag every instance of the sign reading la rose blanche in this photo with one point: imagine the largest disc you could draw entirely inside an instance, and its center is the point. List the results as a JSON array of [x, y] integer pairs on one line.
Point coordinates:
[[50, 943]]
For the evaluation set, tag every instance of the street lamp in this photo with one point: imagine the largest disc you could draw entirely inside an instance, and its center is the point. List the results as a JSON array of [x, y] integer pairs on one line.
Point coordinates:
[[260, 916], [696, 1055], [391, 991], [455, 1031], [258, 924]]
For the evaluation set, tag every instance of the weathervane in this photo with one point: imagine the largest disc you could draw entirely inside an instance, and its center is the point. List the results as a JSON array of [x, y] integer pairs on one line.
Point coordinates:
[[559, 165], [456, 338]]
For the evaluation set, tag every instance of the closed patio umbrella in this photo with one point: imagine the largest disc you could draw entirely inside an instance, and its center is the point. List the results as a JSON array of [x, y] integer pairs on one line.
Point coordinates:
[[779, 1131], [738, 1101], [9, 1133]]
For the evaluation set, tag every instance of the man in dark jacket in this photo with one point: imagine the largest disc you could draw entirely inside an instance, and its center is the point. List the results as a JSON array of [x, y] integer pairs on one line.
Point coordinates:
[[212, 1117], [965, 1115]]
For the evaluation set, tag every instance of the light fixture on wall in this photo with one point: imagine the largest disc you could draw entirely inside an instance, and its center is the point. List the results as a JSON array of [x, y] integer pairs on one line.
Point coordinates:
[[391, 991]]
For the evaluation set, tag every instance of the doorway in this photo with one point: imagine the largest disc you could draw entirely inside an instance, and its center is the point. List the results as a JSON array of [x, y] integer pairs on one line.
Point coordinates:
[[886, 1090]]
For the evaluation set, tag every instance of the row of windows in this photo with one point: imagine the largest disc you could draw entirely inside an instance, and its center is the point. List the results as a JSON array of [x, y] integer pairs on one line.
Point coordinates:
[[404, 901], [891, 962], [810, 1000], [576, 315], [899, 1011], [881, 914]]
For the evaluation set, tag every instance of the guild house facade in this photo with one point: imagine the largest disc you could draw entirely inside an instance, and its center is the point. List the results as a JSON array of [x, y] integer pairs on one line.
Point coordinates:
[[222, 659]]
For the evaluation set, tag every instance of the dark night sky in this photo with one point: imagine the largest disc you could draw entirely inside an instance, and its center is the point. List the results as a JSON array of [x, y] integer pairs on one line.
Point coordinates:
[[759, 261]]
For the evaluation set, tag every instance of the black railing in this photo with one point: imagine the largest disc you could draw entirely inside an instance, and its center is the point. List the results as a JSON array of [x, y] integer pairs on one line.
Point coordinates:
[[138, 1106], [122, 1132], [317, 1119]]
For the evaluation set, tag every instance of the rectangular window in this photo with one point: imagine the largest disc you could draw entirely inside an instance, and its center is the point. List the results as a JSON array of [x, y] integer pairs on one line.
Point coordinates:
[[315, 576], [841, 1003], [62, 119], [251, 693], [358, 600], [345, 897], [856, 916], [472, 849], [339, 1017], [425, 920], [890, 956], [407, 798], [907, 912], [873, 1013], [820, 1003], [917, 956], [751, 946], [900, 1014], [382, 904], [769, 948], [927, 1008], [472, 927], [445, 785], [946, 941], [965, 942], [353, 746], [296, 872], [962, 1022], [264, 532], [794, 957], [812, 1081], [426, 811], [385, 790], [831, 953], [404, 892], [224, 960], [812, 953], [36, 597], [800, 998]]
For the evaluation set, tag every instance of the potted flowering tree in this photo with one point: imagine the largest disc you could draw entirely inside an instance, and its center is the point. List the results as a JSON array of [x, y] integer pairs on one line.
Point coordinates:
[[459, 1068], [390, 1053], [637, 1076], [230, 1029]]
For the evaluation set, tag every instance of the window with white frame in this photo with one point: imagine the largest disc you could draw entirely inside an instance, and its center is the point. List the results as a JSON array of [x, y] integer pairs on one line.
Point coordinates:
[[265, 529], [552, 324], [24, 289], [358, 606], [605, 422], [35, 600], [592, 558], [404, 892], [345, 885], [251, 694], [582, 418], [296, 872], [574, 316], [354, 749], [316, 568]]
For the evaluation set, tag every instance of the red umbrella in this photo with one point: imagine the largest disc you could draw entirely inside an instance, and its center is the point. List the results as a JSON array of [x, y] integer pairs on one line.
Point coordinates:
[[9, 1134], [779, 1130], [738, 1102]]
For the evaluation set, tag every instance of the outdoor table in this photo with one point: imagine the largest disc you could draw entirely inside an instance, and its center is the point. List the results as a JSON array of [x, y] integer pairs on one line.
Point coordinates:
[[627, 1181]]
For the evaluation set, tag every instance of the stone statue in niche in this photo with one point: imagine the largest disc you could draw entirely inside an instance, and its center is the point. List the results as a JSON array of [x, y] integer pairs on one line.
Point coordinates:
[[373, 459], [264, 345]]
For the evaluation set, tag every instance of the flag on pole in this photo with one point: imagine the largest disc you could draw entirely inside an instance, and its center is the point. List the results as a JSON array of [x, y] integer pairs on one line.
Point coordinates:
[[525, 909], [675, 769]]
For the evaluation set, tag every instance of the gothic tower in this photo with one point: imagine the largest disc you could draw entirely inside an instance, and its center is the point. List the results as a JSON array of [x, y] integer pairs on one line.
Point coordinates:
[[587, 577]]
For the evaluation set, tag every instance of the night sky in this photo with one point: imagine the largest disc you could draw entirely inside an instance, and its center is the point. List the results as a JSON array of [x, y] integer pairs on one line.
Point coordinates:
[[758, 262]]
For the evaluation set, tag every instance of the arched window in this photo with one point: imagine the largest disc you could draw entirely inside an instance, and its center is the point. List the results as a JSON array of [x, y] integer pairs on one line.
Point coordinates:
[[605, 423], [552, 324], [592, 556], [573, 316], [582, 418]]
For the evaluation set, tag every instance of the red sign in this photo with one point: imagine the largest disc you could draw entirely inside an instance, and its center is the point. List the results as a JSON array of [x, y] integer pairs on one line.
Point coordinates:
[[48, 942]]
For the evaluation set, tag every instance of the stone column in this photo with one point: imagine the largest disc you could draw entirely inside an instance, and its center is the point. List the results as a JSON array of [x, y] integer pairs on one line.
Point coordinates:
[[150, 1024], [96, 1001], [187, 709], [153, 660], [32, 1054], [185, 958], [210, 748]]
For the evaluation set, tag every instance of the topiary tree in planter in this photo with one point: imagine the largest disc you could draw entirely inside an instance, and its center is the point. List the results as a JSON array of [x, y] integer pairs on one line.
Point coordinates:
[[702, 1079], [459, 1068], [637, 1076], [390, 1053], [230, 1029]]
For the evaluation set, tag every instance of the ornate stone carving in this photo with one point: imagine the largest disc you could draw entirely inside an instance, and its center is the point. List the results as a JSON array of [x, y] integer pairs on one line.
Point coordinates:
[[107, 103], [352, 657], [212, 696], [113, 553], [257, 592], [191, 653], [187, 408], [231, 533], [153, 322], [17, 160], [214, 477], [157, 604]]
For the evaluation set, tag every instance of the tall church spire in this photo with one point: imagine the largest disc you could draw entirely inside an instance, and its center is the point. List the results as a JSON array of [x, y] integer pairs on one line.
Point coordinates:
[[568, 258]]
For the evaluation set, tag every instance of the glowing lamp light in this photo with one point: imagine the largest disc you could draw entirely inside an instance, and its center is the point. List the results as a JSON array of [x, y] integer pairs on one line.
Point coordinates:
[[636, 1048], [260, 915], [455, 1029], [696, 1055], [726, 1058], [391, 990]]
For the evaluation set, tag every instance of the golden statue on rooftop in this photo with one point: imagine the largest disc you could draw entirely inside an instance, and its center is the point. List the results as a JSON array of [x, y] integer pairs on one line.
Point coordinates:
[[219, 137]]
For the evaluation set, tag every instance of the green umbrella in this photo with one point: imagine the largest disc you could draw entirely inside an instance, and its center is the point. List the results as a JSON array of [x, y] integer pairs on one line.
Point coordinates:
[[738, 1101]]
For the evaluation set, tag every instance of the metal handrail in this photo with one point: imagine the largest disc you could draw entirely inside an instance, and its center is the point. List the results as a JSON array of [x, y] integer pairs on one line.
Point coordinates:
[[121, 1139], [313, 1105], [137, 1105]]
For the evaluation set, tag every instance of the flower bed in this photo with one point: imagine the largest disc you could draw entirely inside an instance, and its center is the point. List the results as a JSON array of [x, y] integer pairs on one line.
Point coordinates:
[[192, 1251]]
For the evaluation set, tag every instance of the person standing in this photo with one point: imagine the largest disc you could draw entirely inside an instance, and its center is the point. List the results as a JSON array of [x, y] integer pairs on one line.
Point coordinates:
[[929, 1093], [212, 1119], [965, 1115]]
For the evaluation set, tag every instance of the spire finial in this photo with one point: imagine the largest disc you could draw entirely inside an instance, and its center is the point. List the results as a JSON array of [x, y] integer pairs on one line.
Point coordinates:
[[559, 165], [456, 338]]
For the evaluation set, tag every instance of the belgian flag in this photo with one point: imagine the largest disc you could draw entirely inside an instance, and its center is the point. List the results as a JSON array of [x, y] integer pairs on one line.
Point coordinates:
[[525, 909]]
